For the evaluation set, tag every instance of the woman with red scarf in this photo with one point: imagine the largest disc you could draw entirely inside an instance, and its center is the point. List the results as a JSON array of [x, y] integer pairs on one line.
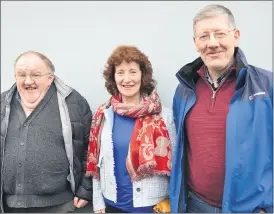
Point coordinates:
[[131, 138]]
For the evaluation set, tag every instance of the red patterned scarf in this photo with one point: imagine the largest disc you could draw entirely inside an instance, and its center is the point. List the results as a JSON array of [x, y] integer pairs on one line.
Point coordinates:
[[149, 150]]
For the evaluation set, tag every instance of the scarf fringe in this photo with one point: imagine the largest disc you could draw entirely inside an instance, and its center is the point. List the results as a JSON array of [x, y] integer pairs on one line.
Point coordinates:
[[147, 171], [147, 167], [152, 174]]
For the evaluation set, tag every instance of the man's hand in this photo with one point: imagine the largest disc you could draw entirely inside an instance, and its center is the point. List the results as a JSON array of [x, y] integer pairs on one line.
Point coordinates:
[[79, 202], [100, 211]]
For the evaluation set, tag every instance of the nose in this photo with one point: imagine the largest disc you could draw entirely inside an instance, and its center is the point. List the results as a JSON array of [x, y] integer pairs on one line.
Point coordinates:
[[127, 78], [213, 42], [28, 80]]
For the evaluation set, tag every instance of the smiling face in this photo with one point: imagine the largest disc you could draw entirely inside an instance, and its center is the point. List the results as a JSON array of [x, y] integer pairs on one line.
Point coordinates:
[[32, 90], [218, 51], [128, 78]]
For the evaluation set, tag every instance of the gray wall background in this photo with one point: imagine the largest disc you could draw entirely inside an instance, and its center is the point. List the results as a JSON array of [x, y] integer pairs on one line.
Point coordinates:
[[79, 37]]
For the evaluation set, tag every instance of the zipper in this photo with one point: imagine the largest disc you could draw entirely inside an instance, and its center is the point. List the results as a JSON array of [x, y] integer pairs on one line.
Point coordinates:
[[3, 153], [213, 98], [184, 196], [213, 92]]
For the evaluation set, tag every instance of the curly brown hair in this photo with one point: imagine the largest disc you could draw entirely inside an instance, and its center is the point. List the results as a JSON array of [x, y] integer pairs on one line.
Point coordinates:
[[129, 54]]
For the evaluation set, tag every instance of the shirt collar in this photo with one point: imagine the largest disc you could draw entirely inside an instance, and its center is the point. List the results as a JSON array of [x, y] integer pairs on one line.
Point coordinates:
[[222, 77]]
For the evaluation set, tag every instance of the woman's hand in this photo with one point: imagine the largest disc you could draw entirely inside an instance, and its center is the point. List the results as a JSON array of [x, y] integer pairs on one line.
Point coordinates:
[[100, 211]]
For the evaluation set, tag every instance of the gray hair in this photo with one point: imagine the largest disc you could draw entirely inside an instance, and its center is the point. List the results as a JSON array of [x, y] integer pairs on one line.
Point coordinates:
[[41, 56], [212, 11]]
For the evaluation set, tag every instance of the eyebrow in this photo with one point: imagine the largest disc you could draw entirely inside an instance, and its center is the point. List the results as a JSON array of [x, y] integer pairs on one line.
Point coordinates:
[[213, 30]]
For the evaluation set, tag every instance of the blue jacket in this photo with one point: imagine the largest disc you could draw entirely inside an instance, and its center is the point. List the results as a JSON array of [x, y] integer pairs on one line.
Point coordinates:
[[249, 143]]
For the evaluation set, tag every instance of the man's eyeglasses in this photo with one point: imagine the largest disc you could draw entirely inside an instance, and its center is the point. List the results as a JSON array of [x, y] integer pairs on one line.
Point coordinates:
[[23, 76], [220, 34]]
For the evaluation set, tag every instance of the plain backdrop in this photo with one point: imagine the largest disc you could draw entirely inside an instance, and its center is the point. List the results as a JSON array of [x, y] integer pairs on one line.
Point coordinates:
[[79, 37]]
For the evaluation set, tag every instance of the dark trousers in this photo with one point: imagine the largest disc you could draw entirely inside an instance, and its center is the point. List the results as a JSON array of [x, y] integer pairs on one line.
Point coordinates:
[[111, 209], [62, 208]]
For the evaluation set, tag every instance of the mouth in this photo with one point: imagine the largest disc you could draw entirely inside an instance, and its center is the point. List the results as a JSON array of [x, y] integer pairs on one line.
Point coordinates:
[[128, 86], [30, 88], [215, 54]]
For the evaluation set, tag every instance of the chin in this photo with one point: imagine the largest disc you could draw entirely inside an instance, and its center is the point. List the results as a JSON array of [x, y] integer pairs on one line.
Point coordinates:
[[128, 95], [216, 65], [32, 99]]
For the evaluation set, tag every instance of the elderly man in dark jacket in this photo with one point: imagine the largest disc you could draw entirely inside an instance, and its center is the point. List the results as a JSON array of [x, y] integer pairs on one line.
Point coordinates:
[[44, 136]]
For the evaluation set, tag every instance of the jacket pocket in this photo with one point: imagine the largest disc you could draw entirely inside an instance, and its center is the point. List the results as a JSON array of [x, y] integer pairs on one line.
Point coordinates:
[[155, 187]]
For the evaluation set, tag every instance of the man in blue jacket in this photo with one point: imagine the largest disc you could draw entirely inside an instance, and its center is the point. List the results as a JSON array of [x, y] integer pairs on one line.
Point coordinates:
[[223, 116]]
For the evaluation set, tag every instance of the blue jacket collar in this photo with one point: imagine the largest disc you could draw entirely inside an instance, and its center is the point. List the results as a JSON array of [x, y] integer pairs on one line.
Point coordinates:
[[189, 75]]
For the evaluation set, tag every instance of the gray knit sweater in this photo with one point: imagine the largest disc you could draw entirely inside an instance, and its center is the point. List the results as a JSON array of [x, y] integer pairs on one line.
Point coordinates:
[[36, 169]]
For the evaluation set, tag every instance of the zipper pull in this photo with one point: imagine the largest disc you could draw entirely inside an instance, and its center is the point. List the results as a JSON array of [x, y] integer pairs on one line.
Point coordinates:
[[213, 94]]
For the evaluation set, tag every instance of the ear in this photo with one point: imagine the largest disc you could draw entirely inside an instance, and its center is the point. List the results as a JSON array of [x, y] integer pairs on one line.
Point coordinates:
[[51, 78], [236, 37], [196, 44]]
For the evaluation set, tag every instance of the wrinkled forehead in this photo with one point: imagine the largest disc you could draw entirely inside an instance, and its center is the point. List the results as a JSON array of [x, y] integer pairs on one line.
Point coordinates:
[[212, 23], [30, 62]]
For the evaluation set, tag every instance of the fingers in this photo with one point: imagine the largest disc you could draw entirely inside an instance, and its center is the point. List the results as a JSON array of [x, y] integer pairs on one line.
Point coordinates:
[[100, 211], [75, 201], [80, 203], [83, 203]]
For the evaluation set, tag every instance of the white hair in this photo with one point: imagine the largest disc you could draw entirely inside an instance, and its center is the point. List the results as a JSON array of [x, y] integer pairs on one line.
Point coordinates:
[[214, 10]]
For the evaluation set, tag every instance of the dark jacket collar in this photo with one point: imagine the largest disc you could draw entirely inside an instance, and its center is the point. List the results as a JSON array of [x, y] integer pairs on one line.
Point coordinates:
[[189, 75]]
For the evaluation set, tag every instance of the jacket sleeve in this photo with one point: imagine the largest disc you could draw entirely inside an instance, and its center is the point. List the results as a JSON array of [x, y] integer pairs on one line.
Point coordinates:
[[85, 188], [98, 200], [169, 121], [269, 209]]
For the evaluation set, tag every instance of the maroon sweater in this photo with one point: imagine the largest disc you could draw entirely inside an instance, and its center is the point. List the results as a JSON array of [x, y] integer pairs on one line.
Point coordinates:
[[206, 131]]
